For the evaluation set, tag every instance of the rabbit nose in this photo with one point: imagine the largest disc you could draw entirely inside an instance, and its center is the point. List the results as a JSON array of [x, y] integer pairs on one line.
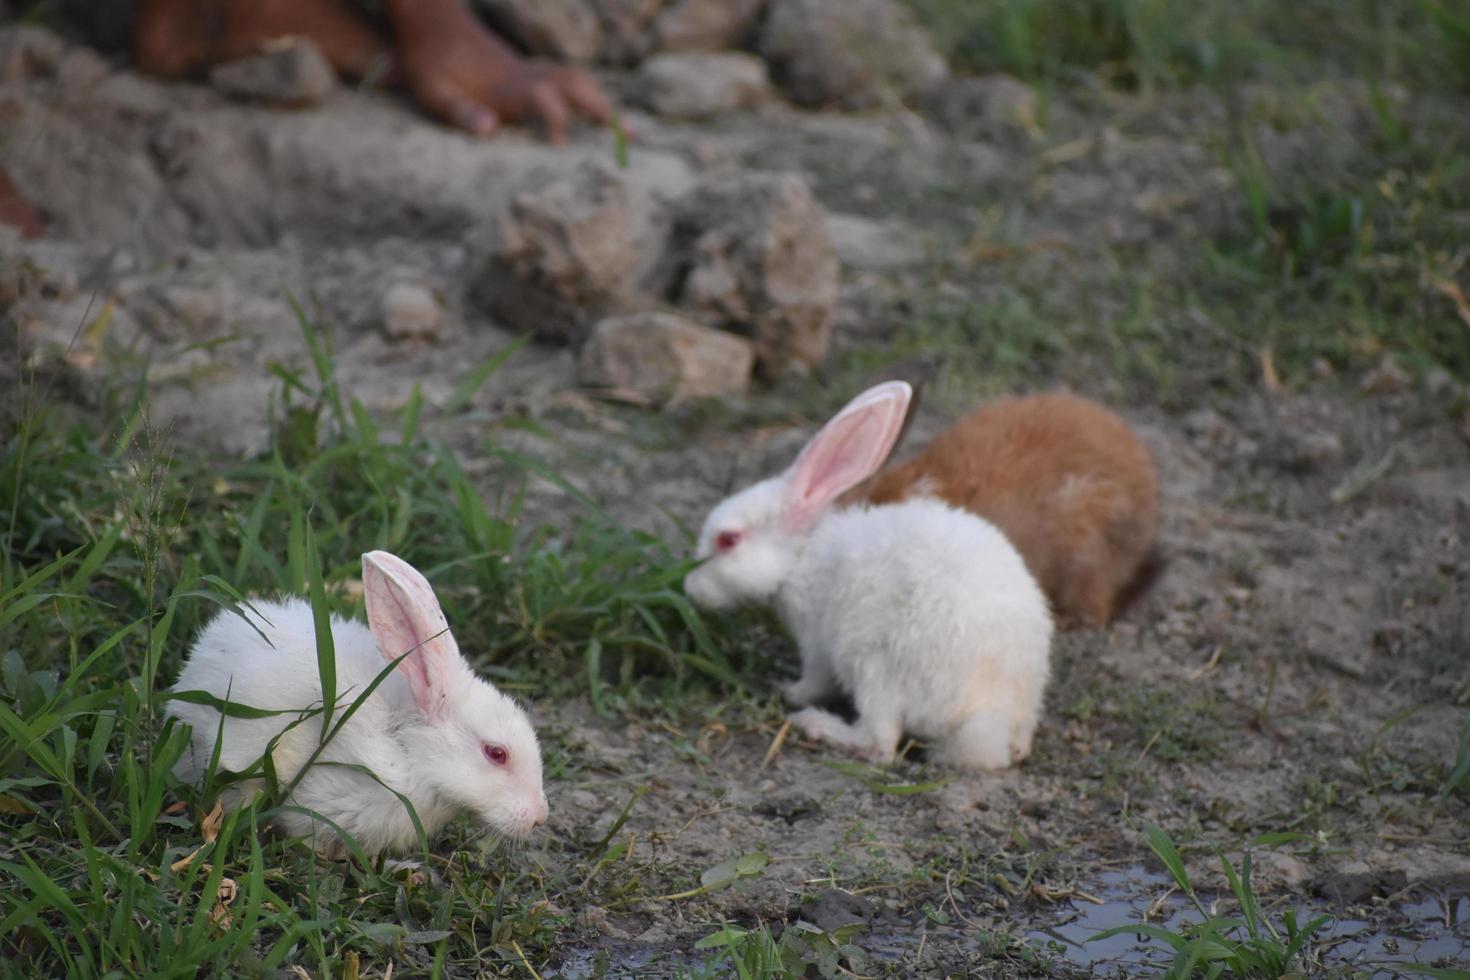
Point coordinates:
[[539, 813]]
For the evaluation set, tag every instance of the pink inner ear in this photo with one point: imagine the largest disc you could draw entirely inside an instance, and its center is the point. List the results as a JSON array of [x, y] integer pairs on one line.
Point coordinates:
[[848, 450], [404, 615]]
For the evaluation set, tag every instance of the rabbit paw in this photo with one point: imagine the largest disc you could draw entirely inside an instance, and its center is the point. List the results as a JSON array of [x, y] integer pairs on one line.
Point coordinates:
[[827, 727]]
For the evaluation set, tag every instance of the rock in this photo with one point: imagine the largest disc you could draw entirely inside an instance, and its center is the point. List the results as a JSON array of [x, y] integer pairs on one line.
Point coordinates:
[[866, 244], [1302, 450], [565, 29], [1438, 383], [627, 28], [655, 358], [984, 106], [1355, 884], [289, 72], [832, 908], [705, 25], [80, 72], [854, 53], [411, 312], [1386, 379], [28, 51], [1282, 872], [573, 250], [760, 263], [1208, 429], [695, 86]]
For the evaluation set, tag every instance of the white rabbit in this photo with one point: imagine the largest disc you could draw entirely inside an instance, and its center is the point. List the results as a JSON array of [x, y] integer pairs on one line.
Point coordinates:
[[924, 614], [433, 730]]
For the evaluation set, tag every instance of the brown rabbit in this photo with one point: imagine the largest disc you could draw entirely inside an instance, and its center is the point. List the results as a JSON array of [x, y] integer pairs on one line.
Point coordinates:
[[1066, 480]]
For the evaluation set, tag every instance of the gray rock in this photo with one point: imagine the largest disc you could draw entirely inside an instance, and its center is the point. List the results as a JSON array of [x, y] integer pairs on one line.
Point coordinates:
[[985, 106], [1386, 379], [862, 243], [411, 312], [80, 72], [705, 25], [289, 72], [627, 29], [696, 86], [655, 358], [1302, 450], [575, 249], [853, 53], [28, 51], [761, 263], [566, 29]]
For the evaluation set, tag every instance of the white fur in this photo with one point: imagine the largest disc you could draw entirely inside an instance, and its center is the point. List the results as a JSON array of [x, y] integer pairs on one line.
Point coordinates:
[[438, 764], [926, 615]]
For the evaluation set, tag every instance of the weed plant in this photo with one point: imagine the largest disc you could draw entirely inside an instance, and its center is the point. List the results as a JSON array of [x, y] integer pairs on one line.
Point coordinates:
[[113, 550]]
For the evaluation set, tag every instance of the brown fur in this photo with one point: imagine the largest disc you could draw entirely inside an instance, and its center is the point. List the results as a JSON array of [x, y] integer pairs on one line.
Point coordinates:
[[1066, 480]]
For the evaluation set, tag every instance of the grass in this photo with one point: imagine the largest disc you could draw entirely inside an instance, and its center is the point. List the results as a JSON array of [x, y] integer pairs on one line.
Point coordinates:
[[1159, 43], [113, 549], [802, 950], [1248, 944], [1312, 267]]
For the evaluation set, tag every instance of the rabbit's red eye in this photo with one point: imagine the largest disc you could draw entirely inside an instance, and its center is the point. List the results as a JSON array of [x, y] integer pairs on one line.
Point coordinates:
[[727, 540], [497, 754]]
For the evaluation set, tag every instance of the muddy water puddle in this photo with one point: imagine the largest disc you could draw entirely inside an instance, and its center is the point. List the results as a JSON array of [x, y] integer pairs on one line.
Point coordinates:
[[1429, 929], [1426, 929]]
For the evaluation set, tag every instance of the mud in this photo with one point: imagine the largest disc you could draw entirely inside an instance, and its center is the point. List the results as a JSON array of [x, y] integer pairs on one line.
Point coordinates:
[[1301, 666]]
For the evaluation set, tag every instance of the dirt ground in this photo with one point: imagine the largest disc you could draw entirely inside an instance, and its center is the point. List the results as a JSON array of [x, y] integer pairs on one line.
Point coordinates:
[[1301, 666]]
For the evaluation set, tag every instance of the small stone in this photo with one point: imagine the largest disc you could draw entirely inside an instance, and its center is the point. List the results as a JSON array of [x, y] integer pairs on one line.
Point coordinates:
[[853, 53], [411, 312], [1302, 451], [832, 908], [628, 29], [657, 358], [1386, 379], [761, 264], [80, 71], [863, 243], [28, 51], [1439, 382], [576, 248], [988, 105], [1206, 427], [1281, 871], [563, 29], [705, 25], [697, 86], [291, 71]]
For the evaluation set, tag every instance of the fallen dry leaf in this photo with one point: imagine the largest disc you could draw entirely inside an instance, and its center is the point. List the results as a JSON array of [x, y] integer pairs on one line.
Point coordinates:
[[776, 743], [222, 902], [210, 825], [1455, 295], [9, 804], [1269, 378]]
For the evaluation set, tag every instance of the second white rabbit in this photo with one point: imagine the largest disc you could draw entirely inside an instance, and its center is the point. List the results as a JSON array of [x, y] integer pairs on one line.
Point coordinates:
[[924, 614]]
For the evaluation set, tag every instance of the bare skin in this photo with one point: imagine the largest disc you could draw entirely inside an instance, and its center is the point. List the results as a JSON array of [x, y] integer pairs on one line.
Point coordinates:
[[459, 71]]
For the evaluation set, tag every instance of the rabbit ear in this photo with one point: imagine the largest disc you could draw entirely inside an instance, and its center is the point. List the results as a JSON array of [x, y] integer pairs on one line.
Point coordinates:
[[848, 450], [404, 615]]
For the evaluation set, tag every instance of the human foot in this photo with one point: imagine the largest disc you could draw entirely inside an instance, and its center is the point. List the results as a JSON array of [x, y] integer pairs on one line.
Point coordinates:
[[185, 37], [474, 81]]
